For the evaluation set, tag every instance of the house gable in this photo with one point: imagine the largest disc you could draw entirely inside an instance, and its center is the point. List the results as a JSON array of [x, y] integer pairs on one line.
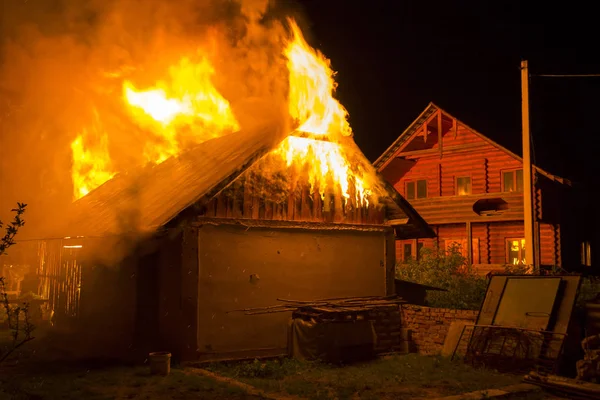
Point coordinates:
[[437, 135]]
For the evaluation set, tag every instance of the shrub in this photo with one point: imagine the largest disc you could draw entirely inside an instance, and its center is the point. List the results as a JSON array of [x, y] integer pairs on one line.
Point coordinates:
[[17, 316], [446, 269]]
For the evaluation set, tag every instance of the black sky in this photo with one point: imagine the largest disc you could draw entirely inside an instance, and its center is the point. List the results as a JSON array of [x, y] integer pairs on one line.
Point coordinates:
[[393, 57]]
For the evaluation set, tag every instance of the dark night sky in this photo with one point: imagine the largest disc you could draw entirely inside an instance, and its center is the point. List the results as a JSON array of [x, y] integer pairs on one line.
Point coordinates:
[[393, 57]]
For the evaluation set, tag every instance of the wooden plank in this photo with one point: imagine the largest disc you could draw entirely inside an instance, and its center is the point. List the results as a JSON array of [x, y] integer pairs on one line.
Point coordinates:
[[306, 203], [211, 208], [338, 211], [455, 123], [317, 206], [256, 190], [469, 243], [221, 206], [269, 210], [298, 202], [238, 199], [448, 149], [247, 198], [328, 207], [439, 176], [439, 128]]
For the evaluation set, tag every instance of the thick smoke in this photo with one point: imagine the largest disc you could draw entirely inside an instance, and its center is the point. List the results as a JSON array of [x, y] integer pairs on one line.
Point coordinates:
[[63, 63]]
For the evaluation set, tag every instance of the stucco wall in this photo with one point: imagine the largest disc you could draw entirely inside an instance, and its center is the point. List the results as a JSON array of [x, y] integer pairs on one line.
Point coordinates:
[[289, 263]]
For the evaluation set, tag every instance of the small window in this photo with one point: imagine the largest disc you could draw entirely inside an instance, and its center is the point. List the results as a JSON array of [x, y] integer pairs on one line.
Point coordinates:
[[463, 185], [407, 252], [410, 190], [586, 254], [515, 251], [416, 189], [421, 189], [512, 181]]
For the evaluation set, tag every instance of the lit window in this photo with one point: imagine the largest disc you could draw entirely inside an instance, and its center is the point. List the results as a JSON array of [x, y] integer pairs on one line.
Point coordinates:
[[586, 254], [463, 185], [515, 251], [512, 181]]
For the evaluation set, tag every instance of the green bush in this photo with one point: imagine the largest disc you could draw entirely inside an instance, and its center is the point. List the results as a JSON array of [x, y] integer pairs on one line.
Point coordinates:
[[446, 269]]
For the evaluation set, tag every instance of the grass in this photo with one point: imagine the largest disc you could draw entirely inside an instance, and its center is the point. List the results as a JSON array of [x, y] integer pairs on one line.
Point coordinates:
[[113, 383], [398, 377]]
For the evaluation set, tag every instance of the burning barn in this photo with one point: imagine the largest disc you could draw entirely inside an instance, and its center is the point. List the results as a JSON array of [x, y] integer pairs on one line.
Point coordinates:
[[156, 257], [209, 234]]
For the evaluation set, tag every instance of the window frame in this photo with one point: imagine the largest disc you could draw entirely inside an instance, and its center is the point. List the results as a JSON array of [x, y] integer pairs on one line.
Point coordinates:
[[507, 250], [414, 249], [586, 253], [513, 171], [416, 181], [456, 178]]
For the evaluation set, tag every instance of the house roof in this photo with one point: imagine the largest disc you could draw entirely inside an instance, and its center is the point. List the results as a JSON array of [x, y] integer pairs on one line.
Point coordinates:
[[149, 197], [413, 129]]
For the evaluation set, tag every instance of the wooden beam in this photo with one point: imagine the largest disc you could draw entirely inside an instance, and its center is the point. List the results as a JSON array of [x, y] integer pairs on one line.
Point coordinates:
[[425, 131], [469, 243], [439, 128], [455, 126], [439, 178], [397, 222], [449, 149]]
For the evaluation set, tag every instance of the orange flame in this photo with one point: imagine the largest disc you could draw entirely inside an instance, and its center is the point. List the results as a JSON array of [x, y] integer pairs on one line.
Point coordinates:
[[316, 111], [322, 160], [189, 100], [91, 164], [311, 101], [187, 107]]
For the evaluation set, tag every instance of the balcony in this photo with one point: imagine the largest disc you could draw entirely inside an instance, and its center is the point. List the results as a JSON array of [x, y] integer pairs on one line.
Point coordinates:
[[485, 207]]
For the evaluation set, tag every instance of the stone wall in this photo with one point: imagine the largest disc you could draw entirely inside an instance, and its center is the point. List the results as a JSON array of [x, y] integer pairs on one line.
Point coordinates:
[[429, 326], [387, 325]]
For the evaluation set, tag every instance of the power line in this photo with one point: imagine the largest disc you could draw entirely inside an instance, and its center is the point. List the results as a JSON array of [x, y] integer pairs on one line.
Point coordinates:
[[566, 75]]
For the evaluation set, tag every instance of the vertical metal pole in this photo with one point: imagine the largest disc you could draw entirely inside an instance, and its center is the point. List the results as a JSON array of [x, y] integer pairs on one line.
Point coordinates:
[[527, 170]]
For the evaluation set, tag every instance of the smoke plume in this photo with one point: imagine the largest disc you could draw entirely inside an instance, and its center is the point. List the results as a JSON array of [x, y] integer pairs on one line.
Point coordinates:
[[63, 63]]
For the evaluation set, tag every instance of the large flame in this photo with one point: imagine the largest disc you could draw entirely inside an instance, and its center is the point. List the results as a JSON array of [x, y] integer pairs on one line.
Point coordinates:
[[188, 100], [327, 166], [316, 111], [311, 101], [91, 163], [187, 107]]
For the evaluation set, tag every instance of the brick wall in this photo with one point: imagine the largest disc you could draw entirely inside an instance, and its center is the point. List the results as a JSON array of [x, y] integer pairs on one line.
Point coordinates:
[[430, 325]]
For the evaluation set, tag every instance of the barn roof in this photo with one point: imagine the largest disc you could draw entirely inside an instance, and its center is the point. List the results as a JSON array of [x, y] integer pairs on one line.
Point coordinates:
[[145, 199], [414, 128]]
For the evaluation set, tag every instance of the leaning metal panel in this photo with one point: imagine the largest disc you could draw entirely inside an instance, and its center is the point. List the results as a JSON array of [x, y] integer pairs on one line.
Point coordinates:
[[512, 349]]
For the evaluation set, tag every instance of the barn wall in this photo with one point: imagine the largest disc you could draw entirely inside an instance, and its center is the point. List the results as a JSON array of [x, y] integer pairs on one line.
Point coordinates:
[[288, 263], [108, 309]]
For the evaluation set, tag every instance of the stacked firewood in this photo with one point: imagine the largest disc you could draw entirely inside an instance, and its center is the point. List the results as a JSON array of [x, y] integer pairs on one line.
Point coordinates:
[[334, 304], [588, 369]]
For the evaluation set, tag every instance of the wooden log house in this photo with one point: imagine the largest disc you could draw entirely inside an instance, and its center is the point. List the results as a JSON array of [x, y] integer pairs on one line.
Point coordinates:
[[469, 190]]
